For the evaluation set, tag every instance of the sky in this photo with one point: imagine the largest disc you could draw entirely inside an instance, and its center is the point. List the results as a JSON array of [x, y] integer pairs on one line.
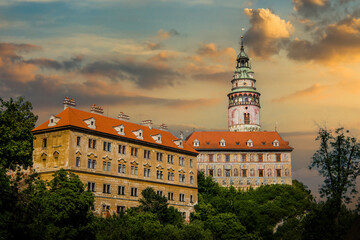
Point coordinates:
[[172, 61]]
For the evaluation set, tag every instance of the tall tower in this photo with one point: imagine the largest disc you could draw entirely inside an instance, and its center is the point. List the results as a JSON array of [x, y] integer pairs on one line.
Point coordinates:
[[244, 100]]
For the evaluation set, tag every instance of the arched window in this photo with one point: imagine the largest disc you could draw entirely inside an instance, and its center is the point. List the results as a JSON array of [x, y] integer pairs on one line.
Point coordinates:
[[236, 173], [219, 172], [247, 118]]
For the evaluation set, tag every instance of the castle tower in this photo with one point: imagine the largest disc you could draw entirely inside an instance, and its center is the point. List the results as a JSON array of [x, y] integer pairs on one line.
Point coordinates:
[[244, 100]]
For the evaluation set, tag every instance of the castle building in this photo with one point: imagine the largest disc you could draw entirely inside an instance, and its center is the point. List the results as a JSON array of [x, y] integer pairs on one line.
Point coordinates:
[[117, 159], [244, 156]]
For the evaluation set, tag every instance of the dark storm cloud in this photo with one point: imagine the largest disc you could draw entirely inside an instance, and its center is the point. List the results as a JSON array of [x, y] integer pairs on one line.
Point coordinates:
[[73, 63], [339, 40], [143, 74], [311, 8]]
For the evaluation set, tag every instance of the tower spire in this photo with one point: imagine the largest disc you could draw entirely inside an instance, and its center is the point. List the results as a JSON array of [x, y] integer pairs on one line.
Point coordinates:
[[241, 43]]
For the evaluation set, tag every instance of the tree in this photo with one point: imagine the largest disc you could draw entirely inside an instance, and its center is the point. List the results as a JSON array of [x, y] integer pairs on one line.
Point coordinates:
[[337, 160], [16, 141], [59, 209]]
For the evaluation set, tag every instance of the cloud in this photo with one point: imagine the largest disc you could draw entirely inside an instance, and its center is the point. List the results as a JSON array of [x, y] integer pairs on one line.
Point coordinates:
[[311, 8], [313, 91], [153, 46], [267, 33], [212, 50], [339, 42], [162, 34], [73, 63]]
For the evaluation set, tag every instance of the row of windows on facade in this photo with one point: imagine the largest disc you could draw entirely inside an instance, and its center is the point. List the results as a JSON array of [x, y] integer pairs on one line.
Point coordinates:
[[121, 209], [236, 173], [134, 170], [133, 151], [257, 182], [249, 143], [260, 157], [134, 192]]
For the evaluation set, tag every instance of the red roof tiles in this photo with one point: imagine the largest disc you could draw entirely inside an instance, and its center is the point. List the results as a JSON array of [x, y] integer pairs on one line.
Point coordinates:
[[75, 117], [237, 140]]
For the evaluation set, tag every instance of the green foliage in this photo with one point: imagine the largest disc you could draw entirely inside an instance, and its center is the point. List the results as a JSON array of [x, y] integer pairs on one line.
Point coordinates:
[[158, 205], [16, 142]]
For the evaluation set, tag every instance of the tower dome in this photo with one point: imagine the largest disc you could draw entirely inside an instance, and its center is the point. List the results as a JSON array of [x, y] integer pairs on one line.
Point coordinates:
[[244, 100]]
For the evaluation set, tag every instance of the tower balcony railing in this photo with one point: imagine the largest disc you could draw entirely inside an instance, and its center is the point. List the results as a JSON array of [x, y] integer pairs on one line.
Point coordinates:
[[244, 103]]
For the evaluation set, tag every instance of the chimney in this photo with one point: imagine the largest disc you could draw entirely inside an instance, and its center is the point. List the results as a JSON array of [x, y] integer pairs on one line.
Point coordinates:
[[147, 123], [163, 127], [96, 109], [123, 116], [69, 103], [181, 135]]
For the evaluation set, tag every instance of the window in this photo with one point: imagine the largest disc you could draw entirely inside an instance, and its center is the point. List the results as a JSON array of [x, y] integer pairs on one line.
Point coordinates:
[[247, 118], [78, 141], [227, 157], [278, 157], [249, 143], [171, 159], [106, 188], [171, 176], [121, 168], [211, 172], [181, 161], [278, 172], [91, 186], [121, 190], [171, 196], [134, 151], [219, 172], [181, 178], [107, 146], [222, 143], [191, 163], [159, 174], [260, 157], [78, 161], [146, 172], [133, 192], [44, 143], [159, 156], [160, 193], [211, 157], [191, 198], [244, 172], [182, 197], [191, 179], [243, 157], [107, 166], [227, 173], [92, 143], [183, 214], [120, 209], [91, 164], [146, 154], [261, 172], [121, 149], [134, 170], [196, 143], [105, 208]]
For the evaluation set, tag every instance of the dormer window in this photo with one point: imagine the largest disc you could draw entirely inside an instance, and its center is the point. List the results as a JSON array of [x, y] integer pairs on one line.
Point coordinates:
[[138, 134], [179, 143], [196, 143], [120, 129], [53, 121], [275, 143], [249, 143], [157, 138], [91, 123], [222, 143]]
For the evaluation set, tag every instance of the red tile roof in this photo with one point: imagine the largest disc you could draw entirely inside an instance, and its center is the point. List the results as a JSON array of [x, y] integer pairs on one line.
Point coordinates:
[[75, 117], [237, 140]]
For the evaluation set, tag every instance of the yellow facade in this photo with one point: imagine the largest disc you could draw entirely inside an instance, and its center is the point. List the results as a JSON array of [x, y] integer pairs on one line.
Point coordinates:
[[118, 178]]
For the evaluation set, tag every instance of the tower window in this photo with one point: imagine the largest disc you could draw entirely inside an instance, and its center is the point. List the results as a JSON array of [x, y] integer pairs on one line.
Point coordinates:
[[247, 118]]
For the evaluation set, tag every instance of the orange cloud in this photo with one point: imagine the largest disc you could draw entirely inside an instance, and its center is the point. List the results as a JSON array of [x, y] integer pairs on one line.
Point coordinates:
[[311, 91], [266, 33], [162, 34]]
